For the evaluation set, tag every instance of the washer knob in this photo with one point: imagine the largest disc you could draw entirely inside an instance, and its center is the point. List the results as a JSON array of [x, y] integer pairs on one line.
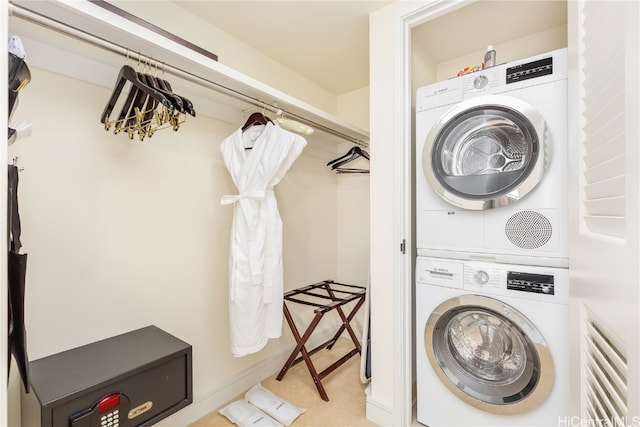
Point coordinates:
[[482, 277]]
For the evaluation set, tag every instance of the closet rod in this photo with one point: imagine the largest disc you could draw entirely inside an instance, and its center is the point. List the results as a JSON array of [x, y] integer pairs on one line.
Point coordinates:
[[60, 27]]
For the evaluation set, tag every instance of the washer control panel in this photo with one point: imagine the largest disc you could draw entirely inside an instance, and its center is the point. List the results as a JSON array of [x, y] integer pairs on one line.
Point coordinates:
[[529, 282], [483, 277], [503, 279], [537, 283]]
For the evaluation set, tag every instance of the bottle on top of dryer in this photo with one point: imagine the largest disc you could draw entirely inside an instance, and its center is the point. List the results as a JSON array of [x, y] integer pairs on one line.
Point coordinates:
[[489, 57]]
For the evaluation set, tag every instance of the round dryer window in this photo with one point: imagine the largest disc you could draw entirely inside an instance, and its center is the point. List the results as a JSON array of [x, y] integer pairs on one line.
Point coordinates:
[[486, 152], [489, 354]]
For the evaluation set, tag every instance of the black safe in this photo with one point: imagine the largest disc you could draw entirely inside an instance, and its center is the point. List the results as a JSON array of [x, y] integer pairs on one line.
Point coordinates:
[[134, 379]]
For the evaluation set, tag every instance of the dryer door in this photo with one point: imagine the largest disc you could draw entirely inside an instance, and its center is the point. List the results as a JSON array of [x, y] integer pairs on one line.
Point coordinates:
[[486, 152], [488, 354]]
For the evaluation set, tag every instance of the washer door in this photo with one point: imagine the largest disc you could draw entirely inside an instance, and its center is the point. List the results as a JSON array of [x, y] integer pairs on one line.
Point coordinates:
[[486, 152], [489, 355]]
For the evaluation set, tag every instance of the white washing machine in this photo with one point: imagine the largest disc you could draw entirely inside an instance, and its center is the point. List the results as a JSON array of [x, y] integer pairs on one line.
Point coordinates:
[[491, 172], [492, 344]]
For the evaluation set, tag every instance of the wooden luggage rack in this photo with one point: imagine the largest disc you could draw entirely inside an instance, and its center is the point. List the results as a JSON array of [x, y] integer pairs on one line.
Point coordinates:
[[324, 296]]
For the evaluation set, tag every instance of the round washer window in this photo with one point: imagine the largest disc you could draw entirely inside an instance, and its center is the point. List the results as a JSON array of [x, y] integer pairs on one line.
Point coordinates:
[[485, 355], [489, 354]]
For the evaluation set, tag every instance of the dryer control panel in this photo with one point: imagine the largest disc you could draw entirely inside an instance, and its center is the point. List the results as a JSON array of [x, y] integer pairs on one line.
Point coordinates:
[[530, 70]]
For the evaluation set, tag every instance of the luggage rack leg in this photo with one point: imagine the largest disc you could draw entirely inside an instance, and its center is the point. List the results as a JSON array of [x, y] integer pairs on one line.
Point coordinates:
[[306, 356], [346, 321]]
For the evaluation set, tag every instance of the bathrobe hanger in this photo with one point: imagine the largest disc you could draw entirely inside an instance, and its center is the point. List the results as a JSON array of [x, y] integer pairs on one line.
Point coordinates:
[[256, 119]]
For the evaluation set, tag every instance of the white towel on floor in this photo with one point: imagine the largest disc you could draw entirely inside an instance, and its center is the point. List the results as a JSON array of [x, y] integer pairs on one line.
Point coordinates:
[[273, 405], [244, 414]]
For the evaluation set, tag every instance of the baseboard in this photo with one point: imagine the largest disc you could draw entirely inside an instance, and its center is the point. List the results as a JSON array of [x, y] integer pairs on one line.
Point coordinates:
[[235, 386], [379, 412]]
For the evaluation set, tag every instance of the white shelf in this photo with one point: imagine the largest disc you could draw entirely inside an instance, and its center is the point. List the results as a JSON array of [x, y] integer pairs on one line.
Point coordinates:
[[88, 18]]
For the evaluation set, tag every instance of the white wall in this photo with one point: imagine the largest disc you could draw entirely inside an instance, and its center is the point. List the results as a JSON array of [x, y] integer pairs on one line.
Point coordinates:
[[353, 198], [122, 234], [354, 107]]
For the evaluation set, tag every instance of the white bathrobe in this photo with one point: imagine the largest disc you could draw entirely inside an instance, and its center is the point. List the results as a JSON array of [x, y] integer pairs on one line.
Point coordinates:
[[255, 256]]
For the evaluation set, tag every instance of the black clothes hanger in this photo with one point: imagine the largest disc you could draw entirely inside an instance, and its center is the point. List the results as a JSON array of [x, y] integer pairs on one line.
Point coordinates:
[[344, 156], [161, 86], [349, 156], [149, 107], [150, 104], [128, 74], [256, 119], [187, 105], [139, 101], [19, 73]]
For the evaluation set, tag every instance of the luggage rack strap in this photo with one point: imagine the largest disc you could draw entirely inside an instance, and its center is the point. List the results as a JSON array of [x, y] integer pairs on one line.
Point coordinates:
[[337, 293]]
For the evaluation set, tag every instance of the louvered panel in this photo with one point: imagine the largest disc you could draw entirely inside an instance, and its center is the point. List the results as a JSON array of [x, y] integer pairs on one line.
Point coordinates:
[[591, 413], [611, 187], [605, 374], [600, 82], [600, 78], [611, 352], [604, 405], [611, 206], [608, 381], [610, 167], [603, 81], [613, 149], [612, 128], [608, 225], [596, 404], [606, 385], [605, 409], [606, 59], [606, 106]]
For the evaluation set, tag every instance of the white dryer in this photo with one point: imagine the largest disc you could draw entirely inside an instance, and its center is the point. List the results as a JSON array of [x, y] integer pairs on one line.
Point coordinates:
[[492, 344], [491, 164]]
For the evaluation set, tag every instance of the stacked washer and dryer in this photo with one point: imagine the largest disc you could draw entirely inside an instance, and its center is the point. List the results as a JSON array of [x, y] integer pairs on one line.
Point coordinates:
[[491, 275]]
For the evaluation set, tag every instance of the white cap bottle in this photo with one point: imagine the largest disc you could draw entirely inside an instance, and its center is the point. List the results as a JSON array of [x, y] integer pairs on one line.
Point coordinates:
[[489, 57]]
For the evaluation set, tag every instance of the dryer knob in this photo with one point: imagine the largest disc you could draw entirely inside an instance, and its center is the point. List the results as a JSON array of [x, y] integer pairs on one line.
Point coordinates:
[[480, 81], [482, 277]]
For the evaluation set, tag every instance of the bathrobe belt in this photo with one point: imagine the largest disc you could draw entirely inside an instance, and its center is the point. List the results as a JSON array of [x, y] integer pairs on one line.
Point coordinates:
[[256, 239]]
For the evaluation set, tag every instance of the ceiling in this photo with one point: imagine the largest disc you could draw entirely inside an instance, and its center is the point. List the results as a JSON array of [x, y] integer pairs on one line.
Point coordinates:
[[448, 36], [328, 41], [325, 41]]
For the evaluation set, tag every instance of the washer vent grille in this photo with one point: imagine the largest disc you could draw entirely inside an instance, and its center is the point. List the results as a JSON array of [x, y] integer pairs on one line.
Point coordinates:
[[528, 229], [605, 376]]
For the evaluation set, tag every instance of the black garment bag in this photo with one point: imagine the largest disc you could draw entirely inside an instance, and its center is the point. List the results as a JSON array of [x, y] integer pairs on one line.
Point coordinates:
[[17, 268]]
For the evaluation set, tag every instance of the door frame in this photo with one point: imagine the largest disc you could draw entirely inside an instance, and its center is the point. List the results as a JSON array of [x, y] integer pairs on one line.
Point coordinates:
[[407, 17]]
